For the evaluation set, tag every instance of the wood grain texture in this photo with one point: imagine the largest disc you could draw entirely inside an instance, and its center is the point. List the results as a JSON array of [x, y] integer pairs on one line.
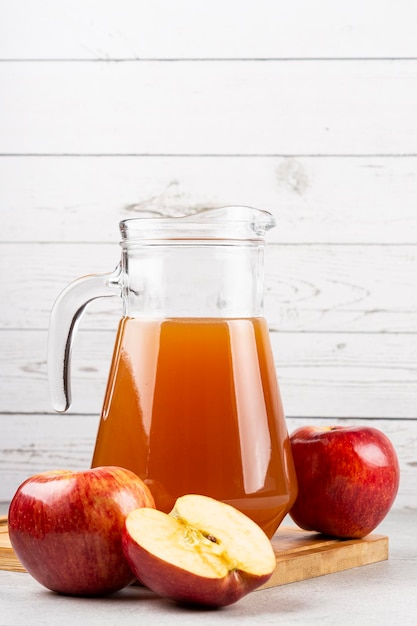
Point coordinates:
[[321, 374], [8, 558], [36, 442], [134, 29], [327, 200], [302, 555], [296, 108], [325, 288]]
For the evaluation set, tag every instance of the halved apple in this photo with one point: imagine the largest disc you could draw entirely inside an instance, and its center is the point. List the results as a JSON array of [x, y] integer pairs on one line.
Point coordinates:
[[204, 552]]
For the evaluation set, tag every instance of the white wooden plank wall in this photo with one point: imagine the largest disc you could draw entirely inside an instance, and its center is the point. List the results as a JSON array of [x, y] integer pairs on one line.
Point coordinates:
[[307, 109]]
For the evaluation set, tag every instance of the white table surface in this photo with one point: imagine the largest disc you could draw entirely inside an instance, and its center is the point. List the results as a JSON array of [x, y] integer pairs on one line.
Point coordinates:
[[381, 593]]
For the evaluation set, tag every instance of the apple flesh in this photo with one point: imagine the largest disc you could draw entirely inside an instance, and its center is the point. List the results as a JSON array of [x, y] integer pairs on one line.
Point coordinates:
[[66, 528], [204, 552], [348, 478]]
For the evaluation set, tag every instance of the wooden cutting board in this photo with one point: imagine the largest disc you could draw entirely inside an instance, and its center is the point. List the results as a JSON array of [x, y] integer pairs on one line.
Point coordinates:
[[8, 559], [300, 554]]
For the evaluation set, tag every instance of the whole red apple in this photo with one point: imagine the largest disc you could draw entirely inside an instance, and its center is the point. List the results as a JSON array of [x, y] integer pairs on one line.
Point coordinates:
[[204, 552], [348, 478], [66, 528]]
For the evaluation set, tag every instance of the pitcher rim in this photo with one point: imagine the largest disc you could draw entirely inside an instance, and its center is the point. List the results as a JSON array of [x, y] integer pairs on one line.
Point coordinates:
[[237, 222]]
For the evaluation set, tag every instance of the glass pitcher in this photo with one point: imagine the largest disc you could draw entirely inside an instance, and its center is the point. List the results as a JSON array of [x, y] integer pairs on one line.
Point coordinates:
[[192, 403]]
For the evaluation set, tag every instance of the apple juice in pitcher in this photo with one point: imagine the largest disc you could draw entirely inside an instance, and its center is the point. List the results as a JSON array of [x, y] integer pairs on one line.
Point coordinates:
[[192, 402]]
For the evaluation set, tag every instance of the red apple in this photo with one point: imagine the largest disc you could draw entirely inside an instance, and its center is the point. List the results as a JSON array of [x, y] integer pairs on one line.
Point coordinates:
[[204, 552], [66, 528], [348, 479]]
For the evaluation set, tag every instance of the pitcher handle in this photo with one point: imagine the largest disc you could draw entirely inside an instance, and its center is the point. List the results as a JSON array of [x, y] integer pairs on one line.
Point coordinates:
[[65, 316]]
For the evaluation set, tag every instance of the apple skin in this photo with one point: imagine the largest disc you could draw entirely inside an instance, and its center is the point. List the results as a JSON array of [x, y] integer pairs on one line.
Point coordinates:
[[66, 528], [210, 559], [348, 478]]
